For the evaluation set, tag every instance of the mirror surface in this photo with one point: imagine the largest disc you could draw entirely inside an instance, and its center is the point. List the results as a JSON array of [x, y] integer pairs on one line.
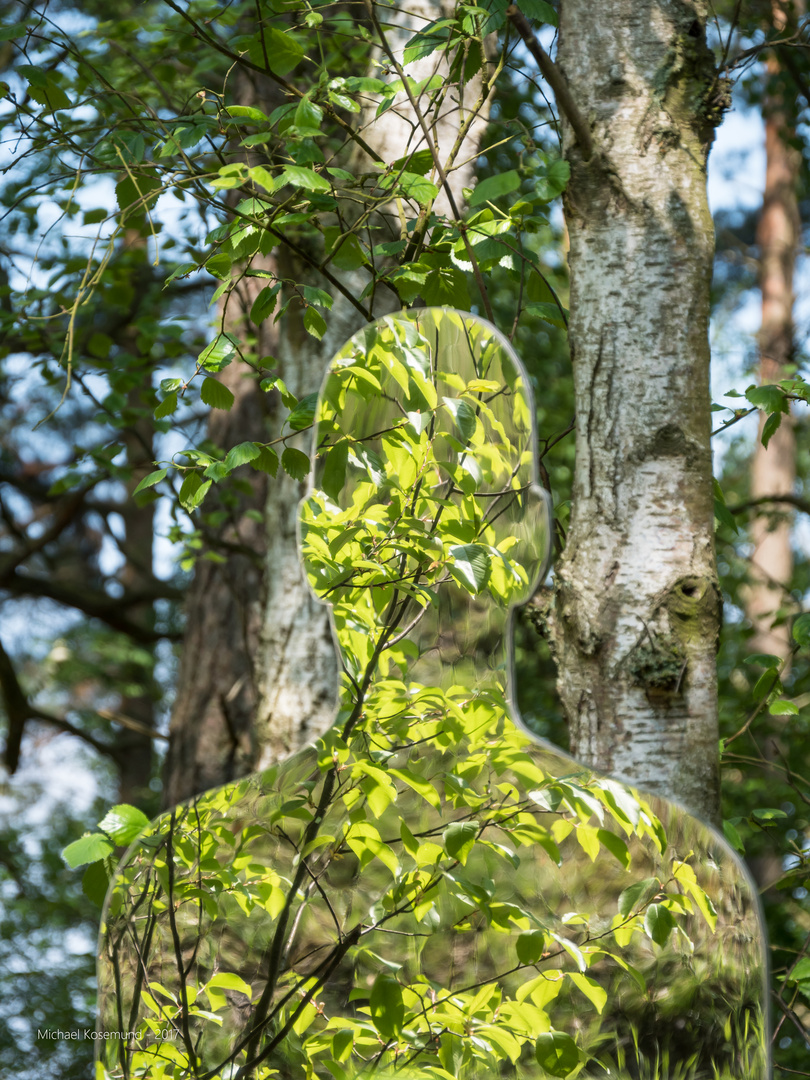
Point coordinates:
[[429, 890]]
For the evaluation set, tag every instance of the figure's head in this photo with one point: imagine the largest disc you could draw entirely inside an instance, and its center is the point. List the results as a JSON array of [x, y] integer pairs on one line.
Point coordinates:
[[424, 478]]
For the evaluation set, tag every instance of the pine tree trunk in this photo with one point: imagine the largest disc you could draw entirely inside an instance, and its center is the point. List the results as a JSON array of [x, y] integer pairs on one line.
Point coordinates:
[[638, 608], [211, 730], [773, 471]]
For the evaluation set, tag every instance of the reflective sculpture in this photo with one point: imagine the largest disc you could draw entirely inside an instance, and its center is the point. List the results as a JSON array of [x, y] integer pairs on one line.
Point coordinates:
[[428, 890]]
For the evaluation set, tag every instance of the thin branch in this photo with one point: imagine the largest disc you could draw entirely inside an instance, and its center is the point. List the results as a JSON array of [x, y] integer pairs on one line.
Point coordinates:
[[19, 710], [109, 609], [555, 79], [790, 500]]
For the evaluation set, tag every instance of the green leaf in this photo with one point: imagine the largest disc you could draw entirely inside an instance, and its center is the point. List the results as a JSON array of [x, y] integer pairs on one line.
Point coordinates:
[[216, 395], [241, 455], [418, 188], [307, 179], [552, 184], [766, 815], [766, 660], [801, 630], [90, 848], [303, 414], [346, 251], [387, 1005], [531, 946], [590, 988], [363, 84], [419, 162], [766, 684], [265, 303], [615, 845], [137, 193], [308, 117], [770, 428], [770, 399], [295, 464], [459, 839], [227, 981], [419, 785], [724, 515], [218, 354], [495, 186], [334, 473], [124, 823], [557, 1053], [314, 323], [9, 33], [95, 882], [167, 406], [801, 972], [44, 88], [464, 416], [193, 490], [282, 51], [427, 41], [471, 566], [267, 461], [150, 480], [539, 10], [247, 112], [783, 708], [658, 923], [549, 313], [446, 286], [637, 895], [733, 836], [219, 266]]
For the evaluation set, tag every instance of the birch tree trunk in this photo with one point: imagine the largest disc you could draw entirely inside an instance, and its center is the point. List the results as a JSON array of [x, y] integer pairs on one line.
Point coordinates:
[[773, 472], [637, 607]]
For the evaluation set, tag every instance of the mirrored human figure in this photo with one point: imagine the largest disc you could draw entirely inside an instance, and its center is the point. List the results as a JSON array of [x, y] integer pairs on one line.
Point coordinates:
[[429, 890]]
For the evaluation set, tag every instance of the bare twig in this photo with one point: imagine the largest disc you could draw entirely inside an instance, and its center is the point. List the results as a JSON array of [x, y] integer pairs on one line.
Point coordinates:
[[555, 79]]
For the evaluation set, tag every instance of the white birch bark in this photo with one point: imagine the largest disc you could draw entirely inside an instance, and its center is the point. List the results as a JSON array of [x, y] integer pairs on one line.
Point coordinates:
[[637, 610]]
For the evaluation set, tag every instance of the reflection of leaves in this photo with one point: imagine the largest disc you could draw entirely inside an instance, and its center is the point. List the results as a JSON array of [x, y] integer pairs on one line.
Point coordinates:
[[464, 416], [637, 895], [557, 1053], [334, 473], [387, 1006], [658, 923], [459, 839], [471, 566]]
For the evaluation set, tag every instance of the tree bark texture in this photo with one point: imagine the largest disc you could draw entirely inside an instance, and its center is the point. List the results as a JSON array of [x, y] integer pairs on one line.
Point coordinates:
[[297, 658], [773, 471], [211, 729], [258, 677], [637, 607]]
